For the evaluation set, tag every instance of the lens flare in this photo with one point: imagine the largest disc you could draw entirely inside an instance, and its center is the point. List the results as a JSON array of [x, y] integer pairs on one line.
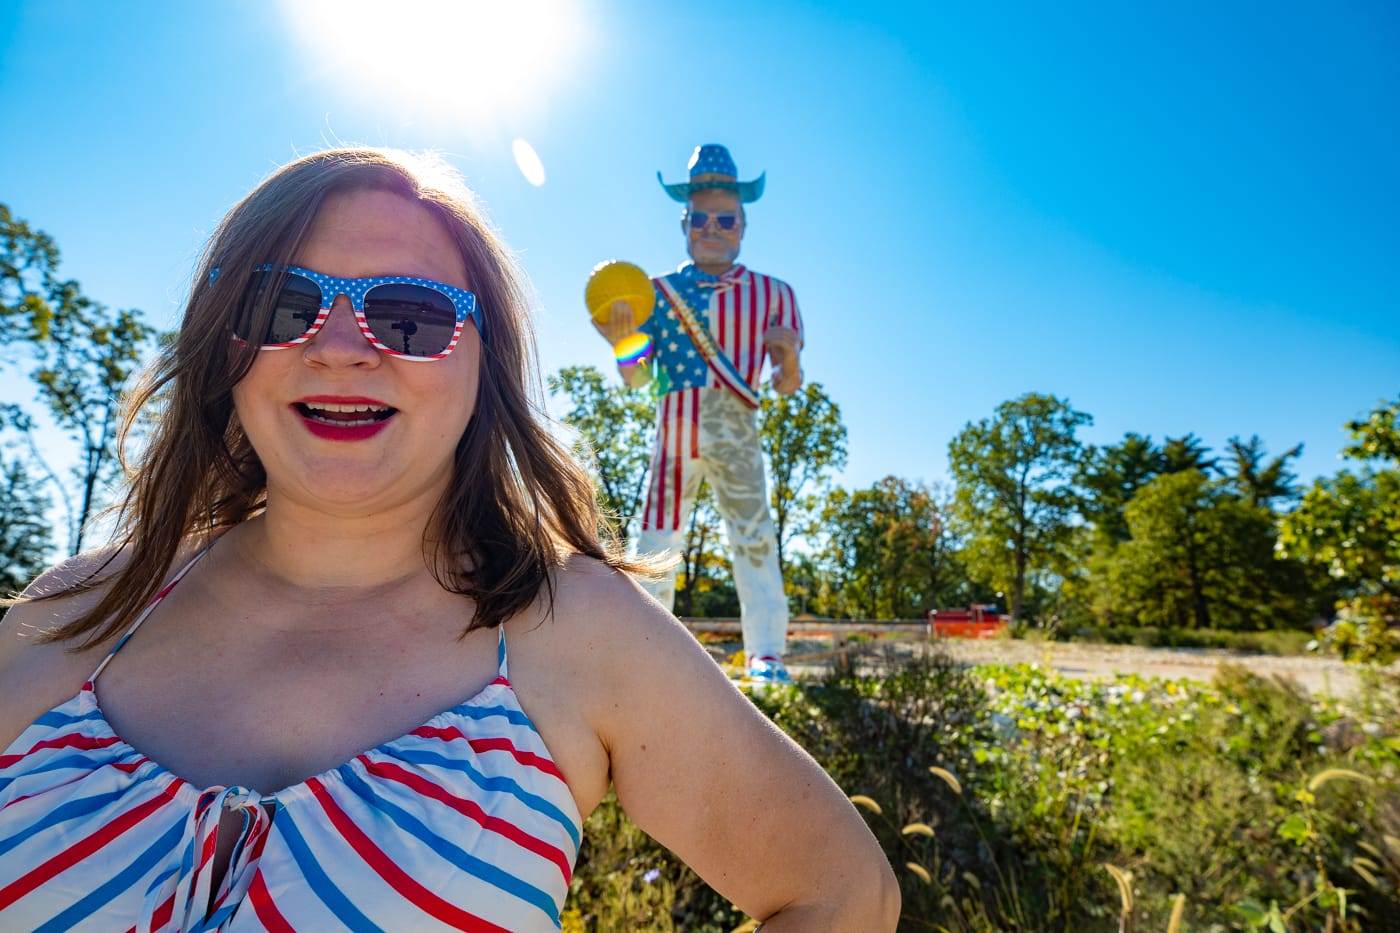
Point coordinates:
[[631, 349], [528, 161], [467, 64]]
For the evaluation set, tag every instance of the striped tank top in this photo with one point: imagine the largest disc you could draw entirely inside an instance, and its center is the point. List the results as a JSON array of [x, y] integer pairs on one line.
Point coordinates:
[[465, 823]]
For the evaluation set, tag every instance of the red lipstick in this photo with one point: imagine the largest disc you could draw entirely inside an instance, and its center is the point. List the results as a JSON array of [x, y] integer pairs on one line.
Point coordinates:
[[343, 418]]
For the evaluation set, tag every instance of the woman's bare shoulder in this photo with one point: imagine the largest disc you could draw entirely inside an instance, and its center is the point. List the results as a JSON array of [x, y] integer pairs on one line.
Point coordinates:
[[37, 674], [605, 600]]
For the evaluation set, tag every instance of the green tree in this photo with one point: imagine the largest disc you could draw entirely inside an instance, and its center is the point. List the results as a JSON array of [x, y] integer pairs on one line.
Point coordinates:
[[704, 582], [25, 539], [82, 352], [1188, 452], [616, 425], [887, 553], [1202, 556], [1112, 475], [1349, 523], [804, 440], [1016, 499], [1377, 436], [1259, 482]]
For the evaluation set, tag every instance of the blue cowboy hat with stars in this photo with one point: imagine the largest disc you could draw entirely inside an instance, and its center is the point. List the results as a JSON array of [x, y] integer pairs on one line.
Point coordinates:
[[712, 167]]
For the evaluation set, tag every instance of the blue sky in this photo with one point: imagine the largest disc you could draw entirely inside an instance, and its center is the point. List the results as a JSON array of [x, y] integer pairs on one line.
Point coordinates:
[[1180, 217]]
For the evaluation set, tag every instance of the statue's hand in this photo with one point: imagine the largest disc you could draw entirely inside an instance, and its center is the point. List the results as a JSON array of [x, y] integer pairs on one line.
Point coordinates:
[[621, 322], [783, 349]]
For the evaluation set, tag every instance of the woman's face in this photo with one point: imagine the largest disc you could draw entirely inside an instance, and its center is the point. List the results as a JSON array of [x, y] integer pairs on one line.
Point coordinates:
[[339, 426]]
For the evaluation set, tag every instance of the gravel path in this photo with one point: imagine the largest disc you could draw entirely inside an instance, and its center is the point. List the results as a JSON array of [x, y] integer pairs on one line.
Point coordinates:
[[1319, 675]]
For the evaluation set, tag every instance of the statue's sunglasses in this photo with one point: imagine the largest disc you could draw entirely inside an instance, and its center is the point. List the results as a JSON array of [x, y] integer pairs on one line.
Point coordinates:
[[403, 316], [698, 220]]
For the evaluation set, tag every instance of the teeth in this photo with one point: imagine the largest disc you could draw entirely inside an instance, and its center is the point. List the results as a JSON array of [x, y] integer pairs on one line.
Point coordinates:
[[347, 409]]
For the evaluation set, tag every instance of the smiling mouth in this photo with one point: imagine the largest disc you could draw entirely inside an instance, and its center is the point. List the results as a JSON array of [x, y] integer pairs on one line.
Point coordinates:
[[345, 416]]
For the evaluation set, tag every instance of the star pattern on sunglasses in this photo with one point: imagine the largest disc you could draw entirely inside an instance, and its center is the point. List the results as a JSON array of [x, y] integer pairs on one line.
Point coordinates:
[[410, 318]]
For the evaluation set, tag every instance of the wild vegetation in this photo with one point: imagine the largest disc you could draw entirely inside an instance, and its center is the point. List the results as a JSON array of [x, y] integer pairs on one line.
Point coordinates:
[[1008, 798]]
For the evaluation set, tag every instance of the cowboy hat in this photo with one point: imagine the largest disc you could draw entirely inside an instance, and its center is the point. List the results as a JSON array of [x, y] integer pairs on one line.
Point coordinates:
[[712, 167]]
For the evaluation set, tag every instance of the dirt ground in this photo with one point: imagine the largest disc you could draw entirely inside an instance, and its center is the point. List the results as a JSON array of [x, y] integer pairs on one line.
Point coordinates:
[[1319, 675]]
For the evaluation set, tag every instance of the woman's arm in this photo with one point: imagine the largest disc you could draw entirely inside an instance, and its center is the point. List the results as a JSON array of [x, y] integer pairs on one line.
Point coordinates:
[[35, 677], [701, 770]]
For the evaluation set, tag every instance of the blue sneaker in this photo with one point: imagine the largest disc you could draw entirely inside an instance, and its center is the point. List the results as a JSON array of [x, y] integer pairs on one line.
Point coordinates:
[[766, 670]]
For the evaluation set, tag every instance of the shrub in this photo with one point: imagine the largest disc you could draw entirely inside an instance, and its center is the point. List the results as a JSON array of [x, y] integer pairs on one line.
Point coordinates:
[[1009, 798]]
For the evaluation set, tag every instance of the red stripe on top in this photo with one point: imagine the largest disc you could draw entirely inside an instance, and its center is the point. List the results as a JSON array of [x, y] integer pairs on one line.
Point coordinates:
[[693, 427], [501, 744], [396, 877], [80, 850], [472, 811], [254, 855], [267, 913], [76, 740], [162, 914], [721, 317], [652, 516], [677, 476], [755, 322]]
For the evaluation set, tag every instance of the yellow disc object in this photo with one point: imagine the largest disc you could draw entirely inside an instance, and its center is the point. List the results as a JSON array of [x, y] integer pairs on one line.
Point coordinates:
[[616, 280]]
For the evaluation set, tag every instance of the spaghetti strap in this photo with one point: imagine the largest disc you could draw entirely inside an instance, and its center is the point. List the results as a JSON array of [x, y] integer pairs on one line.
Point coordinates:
[[155, 601], [503, 670]]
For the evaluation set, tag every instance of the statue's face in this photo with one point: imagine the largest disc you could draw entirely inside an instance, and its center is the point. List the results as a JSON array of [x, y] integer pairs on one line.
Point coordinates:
[[712, 247]]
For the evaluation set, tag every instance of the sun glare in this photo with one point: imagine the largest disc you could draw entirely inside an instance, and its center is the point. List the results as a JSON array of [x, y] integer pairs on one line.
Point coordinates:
[[470, 61]]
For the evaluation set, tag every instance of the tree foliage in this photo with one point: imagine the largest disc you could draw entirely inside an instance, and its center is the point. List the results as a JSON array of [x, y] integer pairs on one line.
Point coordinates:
[[804, 440], [24, 528], [1259, 482], [1349, 523], [1201, 555], [616, 425], [82, 353], [1112, 475], [703, 587], [887, 551], [1016, 497]]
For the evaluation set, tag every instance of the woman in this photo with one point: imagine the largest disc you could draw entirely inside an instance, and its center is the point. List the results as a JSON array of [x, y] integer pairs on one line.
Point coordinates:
[[347, 520]]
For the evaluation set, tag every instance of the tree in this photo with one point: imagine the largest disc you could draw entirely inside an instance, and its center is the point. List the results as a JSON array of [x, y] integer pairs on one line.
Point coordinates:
[[1377, 436], [804, 440], [1260, 483], [24, 527], [887, 554], [83, 354], [1016, 500], [1112, 476], [1349, 523], [702, 586], [616, 423], [1187, 453], [1202, 556]]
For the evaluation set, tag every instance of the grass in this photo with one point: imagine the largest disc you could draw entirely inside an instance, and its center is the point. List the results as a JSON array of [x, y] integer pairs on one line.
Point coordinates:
[[1280, 642], [1009, 798]]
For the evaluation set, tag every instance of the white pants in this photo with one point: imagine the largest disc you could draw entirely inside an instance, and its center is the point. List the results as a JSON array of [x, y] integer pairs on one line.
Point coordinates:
[[724, 451]]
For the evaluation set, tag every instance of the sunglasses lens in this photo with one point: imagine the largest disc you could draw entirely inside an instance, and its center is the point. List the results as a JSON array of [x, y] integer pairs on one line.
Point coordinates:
[[297, 306], [294, 312], [698, 219], [726, 221], [411, 319]]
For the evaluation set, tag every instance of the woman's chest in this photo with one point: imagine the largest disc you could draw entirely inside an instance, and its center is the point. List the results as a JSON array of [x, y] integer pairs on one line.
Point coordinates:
[[264, 715]]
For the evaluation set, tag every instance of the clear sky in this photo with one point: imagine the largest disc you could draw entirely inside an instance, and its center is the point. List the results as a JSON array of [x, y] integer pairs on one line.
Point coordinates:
[[1181, 217]]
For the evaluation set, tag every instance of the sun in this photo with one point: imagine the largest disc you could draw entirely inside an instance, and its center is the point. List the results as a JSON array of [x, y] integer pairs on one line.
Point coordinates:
[[479, 62]]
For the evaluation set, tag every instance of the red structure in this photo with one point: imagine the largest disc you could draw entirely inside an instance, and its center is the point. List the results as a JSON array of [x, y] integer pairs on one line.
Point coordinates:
[[977, 621]]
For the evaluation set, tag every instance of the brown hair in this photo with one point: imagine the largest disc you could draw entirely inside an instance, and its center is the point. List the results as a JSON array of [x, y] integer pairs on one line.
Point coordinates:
[[518, 501]]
